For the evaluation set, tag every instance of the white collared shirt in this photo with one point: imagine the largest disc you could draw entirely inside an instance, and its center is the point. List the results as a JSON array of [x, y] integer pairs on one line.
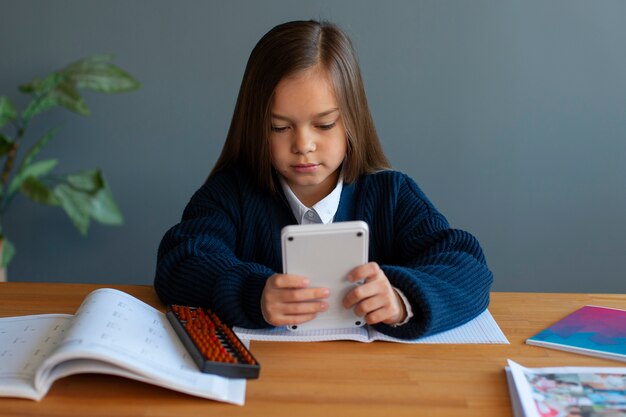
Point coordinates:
[[324, 212]]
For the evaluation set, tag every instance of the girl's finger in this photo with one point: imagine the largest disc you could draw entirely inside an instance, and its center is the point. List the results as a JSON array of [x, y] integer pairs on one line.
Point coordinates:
[[369, 305], [288, 281], [364, 272], [304, 308]]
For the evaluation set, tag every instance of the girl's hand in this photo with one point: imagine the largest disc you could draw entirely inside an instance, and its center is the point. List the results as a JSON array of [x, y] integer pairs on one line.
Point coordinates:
[[287, 299], [375, 299]]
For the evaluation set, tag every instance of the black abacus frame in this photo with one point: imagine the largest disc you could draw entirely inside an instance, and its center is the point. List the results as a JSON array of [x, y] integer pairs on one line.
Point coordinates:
[[229, 370]]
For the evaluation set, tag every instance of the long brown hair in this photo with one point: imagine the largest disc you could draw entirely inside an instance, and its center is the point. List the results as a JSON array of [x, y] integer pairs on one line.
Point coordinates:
[[283, 51]]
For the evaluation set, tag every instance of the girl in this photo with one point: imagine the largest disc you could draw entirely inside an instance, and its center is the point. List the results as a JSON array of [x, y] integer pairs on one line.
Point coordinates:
[[302, 148]]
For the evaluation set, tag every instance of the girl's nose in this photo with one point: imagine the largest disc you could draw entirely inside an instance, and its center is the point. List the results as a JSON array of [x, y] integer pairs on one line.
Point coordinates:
[[303, 142]]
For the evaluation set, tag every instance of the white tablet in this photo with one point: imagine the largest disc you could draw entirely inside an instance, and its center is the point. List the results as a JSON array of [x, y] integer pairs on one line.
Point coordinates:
[[326, 253]]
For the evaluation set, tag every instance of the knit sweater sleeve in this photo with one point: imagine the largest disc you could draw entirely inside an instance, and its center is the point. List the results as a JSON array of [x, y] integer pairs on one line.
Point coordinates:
[[442, 271], [196, 261]]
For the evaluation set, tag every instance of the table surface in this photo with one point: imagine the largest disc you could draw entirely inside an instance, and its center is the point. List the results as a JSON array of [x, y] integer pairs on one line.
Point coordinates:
[[339, 378]]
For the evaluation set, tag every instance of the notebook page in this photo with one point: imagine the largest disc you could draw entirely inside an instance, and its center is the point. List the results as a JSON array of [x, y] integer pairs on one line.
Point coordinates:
[[114, 327], [24, 344], [483, 329], [281, 334]]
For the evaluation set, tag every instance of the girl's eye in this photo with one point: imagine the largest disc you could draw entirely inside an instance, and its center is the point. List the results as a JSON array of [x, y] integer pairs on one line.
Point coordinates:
[[279, 129], [327, 126]]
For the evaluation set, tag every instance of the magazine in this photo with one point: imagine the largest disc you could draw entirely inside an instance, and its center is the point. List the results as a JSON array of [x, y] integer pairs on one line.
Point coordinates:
[[111, 333], [567, 391], [590, 330], [482, 329]]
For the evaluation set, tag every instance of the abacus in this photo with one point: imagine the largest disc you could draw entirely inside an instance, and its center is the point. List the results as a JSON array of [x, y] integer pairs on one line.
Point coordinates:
[[213, 345]]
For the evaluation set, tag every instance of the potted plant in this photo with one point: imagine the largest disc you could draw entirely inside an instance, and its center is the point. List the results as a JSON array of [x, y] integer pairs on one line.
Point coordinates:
[[84, 195]]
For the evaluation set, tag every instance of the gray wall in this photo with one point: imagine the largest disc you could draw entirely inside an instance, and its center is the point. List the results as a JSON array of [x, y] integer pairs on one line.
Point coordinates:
[[510, 115]]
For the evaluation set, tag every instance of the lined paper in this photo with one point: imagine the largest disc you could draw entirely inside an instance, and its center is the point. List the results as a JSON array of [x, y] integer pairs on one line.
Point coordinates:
[[481, 330]]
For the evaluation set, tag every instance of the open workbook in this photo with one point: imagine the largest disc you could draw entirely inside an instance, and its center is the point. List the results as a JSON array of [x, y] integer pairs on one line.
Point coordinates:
[[111, 333]]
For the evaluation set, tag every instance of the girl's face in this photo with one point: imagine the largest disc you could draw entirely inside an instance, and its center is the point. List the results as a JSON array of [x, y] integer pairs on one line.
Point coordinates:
[[308, 140]]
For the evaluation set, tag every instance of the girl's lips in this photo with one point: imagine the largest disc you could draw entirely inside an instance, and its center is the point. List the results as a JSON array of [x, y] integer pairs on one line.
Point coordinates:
[[305, 168]]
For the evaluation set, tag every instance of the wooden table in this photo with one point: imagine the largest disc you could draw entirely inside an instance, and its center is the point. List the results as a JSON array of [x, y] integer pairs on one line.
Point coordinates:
[[322, 379]]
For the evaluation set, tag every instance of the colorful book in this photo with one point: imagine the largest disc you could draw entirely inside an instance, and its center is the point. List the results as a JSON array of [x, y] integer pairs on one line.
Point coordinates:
[[567, 391], [590, 330]]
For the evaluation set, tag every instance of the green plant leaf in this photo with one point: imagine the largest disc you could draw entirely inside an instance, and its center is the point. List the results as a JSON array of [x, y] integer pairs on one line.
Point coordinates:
[[64, 94], [86, 195], [97, 74], [67, 96], [60, 88], [47, 95], [76, 205], [36, 148], [83, 196], [35, 170], [88, 181], [40, 105], [7, 111], [6, 144], [39, 192], [104, 209], [38, 86], [8, 251]]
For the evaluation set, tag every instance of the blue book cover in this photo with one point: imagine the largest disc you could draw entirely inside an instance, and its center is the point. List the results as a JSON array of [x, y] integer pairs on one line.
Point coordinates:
[[590, 330]]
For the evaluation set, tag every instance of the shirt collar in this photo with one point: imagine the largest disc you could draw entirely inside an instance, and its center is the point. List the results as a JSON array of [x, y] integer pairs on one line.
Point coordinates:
[[325, 209]]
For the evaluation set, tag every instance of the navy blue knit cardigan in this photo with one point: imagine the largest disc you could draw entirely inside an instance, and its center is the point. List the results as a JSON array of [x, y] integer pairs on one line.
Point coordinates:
[[228, 244]]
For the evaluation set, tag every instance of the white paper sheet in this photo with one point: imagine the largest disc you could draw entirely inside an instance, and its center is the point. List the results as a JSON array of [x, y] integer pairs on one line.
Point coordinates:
[[481, 330]]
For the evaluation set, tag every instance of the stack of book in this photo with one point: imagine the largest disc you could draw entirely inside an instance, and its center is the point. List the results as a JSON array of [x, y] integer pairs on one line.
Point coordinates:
[[575, 391]]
